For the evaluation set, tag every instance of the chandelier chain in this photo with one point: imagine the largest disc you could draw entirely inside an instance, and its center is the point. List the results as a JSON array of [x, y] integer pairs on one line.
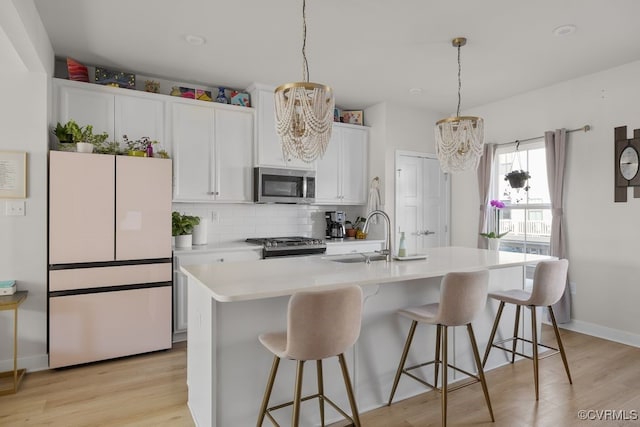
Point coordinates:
[[459, 82], [305, 63]]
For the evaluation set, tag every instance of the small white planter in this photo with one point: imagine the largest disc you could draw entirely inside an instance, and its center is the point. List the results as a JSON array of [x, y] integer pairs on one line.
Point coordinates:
[[84, 147], [494, 244], [184, 241]]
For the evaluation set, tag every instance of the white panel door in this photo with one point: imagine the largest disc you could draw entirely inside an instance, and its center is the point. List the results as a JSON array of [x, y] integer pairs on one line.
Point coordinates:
[[422, 202], [87, 108], [233, 155], [193, 155], [81, 207], [138, 117], [143, 208]]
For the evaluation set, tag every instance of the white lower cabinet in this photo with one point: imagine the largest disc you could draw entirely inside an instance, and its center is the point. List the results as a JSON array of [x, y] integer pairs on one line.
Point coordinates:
[[180, 281], [342, 173], [353, 246]]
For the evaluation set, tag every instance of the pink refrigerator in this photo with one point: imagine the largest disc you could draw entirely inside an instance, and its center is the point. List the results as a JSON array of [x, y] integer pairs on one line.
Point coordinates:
[[110, 271]]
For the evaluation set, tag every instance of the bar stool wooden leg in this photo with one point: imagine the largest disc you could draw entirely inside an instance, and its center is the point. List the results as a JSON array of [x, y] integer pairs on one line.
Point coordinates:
[[403, 359], [445, 380], [560, 346], [476, 357], [295, 420], [534, 341], [267, 392], [436, 363], [320, 391], [347, 384], [515, 334], [493, 333]]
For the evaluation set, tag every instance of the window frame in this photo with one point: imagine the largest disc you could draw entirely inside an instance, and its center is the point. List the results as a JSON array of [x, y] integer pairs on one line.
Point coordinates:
[[497, 177]]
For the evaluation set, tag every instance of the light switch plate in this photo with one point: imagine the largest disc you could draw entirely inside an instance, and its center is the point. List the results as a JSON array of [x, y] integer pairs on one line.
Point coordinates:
[[15, 208]]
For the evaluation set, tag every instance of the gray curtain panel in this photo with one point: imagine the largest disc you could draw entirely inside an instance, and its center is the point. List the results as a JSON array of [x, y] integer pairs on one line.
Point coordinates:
[[484, 188], [555, 147]]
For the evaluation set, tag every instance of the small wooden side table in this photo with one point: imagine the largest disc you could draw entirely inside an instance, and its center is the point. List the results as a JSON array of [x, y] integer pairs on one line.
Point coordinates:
[[12, 302]]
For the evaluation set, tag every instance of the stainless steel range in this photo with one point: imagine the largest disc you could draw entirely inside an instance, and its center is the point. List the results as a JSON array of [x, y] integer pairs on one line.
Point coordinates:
[[289, 246]]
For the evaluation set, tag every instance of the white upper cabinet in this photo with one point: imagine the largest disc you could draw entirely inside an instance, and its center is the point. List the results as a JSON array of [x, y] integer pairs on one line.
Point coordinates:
[[268, 146], [212, 149], [115, 111], [341, 174]]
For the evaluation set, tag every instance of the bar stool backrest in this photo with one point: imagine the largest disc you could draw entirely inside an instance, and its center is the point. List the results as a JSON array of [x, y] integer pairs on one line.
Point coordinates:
[[323, 324], [462, 297], [549, 281]]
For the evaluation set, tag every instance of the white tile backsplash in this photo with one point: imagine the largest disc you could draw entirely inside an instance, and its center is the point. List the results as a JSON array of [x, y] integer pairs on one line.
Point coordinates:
[[236, 222]]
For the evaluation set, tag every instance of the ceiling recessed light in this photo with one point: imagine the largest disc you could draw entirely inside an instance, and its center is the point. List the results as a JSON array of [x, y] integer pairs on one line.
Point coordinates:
[[415, 91], [564, 30], [194, 40]]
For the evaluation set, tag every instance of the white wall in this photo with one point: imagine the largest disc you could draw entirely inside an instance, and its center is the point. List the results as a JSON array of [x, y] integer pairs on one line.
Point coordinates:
[[395, 127], [23, 120], [603, 236]]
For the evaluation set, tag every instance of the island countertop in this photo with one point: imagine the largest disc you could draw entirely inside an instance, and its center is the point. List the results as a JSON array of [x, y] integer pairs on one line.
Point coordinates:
[[254, 280]]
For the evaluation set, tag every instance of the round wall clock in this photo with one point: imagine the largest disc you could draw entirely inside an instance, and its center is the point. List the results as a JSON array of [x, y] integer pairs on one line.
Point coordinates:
[[629, 163]]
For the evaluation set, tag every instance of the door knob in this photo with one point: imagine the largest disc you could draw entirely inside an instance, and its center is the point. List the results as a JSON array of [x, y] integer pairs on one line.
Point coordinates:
[[427, 232]]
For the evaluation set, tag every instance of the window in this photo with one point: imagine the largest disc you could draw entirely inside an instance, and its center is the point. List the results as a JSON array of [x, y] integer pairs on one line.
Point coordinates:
[[527, 214]]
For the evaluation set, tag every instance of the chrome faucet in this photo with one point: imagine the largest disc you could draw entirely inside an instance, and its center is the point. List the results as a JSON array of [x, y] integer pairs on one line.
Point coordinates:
[[387, 249]]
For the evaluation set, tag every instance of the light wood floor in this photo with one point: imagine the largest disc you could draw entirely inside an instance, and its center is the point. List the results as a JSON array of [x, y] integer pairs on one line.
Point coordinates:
[[150, 390]]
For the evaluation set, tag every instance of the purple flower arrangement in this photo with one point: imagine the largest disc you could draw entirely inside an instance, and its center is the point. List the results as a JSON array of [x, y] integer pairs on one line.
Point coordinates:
[[496, 205]]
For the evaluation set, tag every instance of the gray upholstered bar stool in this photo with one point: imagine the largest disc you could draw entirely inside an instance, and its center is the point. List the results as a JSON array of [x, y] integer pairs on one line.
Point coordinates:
[[462, 298], [549, 281], [320, 325]]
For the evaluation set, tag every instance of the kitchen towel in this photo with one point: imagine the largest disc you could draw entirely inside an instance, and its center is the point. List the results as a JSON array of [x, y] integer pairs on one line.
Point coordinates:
[[374, 198]]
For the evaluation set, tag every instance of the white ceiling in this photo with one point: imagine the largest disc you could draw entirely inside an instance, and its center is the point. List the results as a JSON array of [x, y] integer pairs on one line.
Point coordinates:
[[369, 51]]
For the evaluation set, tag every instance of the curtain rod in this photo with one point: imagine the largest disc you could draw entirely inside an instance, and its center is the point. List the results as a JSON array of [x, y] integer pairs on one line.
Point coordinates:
[[585, 128]]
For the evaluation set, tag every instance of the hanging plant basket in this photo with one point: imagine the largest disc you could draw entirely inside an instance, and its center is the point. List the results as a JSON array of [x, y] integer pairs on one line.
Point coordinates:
[[517, 179]]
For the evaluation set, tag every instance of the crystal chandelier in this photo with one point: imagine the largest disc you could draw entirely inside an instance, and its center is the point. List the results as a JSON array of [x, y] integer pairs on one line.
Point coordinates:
[[459, 139], [304, 112]]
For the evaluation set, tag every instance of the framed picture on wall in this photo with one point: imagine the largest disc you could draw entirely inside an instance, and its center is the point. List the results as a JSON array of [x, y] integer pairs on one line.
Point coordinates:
[[352, 117], [13, 174]]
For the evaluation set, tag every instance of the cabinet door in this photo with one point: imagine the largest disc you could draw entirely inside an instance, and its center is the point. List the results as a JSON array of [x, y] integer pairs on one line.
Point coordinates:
[[269, 145], [81, 207], [143, 208], [327, 176], [192, 152], [354, 166], [87, 107], [233, 152], [138, 117]]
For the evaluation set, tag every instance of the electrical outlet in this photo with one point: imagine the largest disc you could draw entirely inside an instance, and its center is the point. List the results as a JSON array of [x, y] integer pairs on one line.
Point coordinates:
[[14, 208], [572, 287], [214, 217]]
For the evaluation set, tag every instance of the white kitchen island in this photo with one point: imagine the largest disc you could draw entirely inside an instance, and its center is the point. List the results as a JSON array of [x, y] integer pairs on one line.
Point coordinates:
[[229, 305]]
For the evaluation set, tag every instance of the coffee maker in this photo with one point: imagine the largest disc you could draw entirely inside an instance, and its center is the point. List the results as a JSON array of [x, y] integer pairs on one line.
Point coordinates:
[[335, 224]]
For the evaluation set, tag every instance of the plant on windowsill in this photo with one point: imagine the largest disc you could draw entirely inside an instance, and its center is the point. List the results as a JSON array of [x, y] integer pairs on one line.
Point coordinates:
[[518, 179], [493, 237], [182, 228]]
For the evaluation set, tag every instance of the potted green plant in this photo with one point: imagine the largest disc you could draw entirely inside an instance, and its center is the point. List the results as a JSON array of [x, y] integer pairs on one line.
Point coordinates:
[[89, 141], [517, 178], [182, 228], [139, 147]]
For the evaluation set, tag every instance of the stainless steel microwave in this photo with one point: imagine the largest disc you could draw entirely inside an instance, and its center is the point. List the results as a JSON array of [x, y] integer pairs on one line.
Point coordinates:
[[273, 185]]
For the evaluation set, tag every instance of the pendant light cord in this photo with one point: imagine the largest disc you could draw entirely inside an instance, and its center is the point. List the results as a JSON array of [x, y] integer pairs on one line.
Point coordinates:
[[459, 83], [305, 64]]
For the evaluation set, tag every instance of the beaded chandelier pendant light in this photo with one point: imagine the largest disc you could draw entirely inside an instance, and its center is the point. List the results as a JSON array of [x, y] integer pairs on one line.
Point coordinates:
[[304, 112], [459, 140]]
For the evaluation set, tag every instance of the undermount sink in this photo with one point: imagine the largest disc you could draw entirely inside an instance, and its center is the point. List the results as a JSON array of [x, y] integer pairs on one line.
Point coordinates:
[[353, 258]]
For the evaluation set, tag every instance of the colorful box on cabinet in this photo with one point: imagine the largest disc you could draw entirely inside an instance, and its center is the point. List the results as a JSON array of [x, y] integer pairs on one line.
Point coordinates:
[[115, 78], [240, 98]]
